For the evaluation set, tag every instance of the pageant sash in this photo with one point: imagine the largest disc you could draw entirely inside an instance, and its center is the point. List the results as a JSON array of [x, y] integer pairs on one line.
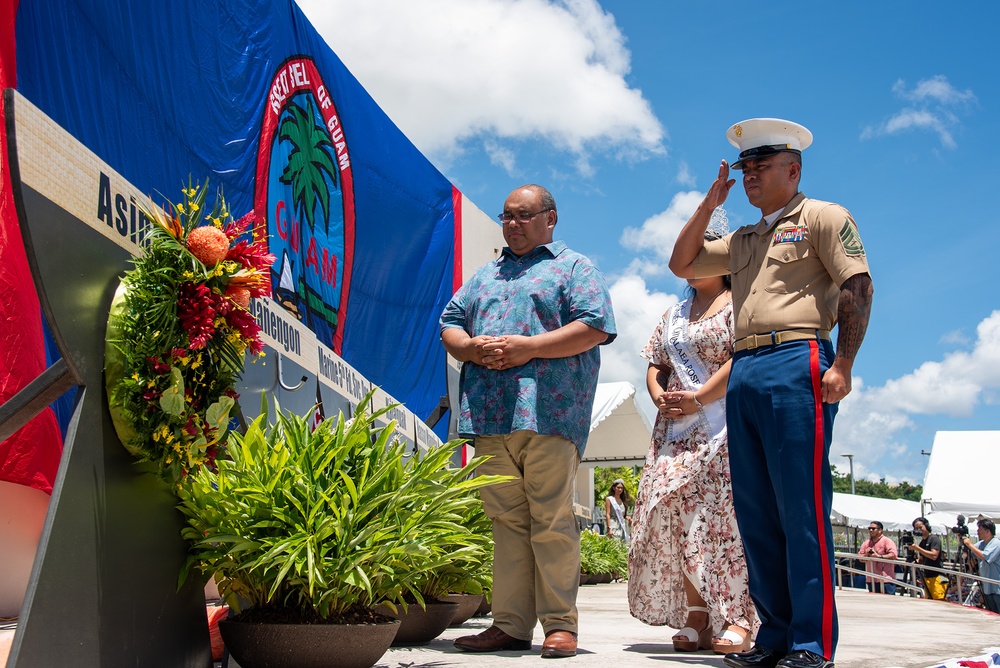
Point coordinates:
[[692, 373], [621, 519]]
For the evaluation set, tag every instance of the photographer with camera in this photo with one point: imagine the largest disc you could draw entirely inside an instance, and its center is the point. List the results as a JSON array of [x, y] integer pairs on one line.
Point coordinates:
[[929, 554], [987, 550], [966, 562], [905, 540], [878, 545]]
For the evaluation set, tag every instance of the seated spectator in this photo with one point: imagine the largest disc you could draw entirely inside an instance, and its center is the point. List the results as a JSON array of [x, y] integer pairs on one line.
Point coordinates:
[[879, 546]]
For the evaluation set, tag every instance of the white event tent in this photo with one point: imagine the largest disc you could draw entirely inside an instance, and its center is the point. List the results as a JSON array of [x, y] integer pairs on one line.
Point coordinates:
[[619, 430], [961, 475], [619, 436], [854, 510]]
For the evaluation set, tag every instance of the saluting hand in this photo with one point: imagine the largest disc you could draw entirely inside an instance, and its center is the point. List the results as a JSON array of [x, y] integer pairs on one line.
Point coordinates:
[[719, 190]]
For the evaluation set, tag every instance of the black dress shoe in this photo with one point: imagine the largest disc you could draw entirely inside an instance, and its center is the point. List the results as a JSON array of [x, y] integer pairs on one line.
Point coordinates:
[[803, 658], [758, 657]]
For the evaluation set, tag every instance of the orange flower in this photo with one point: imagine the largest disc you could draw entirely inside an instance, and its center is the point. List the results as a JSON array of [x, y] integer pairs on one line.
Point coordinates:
[[209, 244], [239, 295]]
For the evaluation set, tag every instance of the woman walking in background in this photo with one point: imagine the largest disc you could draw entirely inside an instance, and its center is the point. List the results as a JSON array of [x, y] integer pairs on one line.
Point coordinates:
[[616, 511], [686, 563]]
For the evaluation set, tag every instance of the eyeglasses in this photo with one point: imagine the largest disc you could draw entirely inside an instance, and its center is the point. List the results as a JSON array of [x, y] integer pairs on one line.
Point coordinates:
[[519, 217], [873, 528]]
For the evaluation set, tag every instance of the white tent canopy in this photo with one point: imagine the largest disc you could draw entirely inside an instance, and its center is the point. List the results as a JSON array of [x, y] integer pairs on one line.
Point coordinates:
[[854, 510], [961, 475], [619, 431]]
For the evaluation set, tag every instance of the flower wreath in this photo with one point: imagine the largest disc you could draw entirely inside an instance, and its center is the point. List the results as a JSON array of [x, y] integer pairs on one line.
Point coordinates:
[[178, 331]]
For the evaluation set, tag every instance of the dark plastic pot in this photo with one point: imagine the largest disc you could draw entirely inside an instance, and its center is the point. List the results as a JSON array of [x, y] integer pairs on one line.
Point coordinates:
[[419, 626], [468, 604], [306, 645]]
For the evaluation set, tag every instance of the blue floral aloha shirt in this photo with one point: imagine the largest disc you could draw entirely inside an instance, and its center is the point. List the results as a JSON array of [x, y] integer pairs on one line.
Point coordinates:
[[542, 291]]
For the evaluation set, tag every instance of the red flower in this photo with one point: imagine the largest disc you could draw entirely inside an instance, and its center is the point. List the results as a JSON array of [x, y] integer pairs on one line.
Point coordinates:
[[251, 256], [238, 227], [244, 323], [196, 309], [158, 366]]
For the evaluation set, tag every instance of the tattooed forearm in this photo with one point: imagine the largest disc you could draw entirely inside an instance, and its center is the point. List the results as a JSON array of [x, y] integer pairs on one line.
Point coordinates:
[[853, 312]]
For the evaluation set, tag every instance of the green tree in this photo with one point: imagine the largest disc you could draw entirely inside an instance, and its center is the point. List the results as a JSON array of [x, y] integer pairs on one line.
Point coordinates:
[[309, 159], [603, 477], [880, 489]]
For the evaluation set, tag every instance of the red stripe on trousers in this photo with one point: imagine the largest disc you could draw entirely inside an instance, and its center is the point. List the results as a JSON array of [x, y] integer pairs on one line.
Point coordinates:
[[819, 444]]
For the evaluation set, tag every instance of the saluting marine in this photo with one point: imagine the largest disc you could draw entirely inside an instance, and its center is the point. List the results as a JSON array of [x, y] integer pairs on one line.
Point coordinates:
[[798, 272]]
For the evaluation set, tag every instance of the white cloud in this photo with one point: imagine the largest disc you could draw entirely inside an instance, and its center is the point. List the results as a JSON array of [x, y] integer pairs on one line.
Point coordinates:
[[638, 309], [448, 71], [937, 88], [500, 155], [684, 175], [955, 337], [933, 101], [954, 386], [658, 233], [872, 421]]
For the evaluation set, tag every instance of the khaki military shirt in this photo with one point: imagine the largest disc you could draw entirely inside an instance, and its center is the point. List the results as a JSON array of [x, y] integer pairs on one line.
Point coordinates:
[[787, 275]]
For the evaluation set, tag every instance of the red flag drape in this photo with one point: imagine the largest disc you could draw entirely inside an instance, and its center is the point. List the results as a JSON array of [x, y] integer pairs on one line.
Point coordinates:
[[31, 456]]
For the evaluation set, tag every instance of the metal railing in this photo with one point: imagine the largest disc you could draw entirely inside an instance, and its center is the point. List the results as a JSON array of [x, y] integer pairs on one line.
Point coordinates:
[[912, 588], [912, 566]]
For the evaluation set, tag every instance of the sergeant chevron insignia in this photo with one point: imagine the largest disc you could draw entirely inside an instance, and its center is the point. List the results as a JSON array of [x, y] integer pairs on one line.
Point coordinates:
[[850, 239]]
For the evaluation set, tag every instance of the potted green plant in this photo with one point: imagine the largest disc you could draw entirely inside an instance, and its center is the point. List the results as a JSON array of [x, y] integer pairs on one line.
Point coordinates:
[[476, 584], [307, 530], [453, 590], [602, 558]]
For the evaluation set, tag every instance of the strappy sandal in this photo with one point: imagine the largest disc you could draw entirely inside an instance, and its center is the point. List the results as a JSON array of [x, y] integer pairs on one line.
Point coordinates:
[[731, 641], [691, 640]]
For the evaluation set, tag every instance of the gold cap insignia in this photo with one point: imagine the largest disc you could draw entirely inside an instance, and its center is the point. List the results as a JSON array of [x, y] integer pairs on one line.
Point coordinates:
[[738, 129]]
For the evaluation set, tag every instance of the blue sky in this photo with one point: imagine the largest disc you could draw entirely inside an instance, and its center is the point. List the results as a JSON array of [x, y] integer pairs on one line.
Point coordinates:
[[620, 108]]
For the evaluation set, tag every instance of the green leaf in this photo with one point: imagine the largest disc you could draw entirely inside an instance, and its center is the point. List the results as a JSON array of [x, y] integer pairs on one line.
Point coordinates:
[[172, 399]]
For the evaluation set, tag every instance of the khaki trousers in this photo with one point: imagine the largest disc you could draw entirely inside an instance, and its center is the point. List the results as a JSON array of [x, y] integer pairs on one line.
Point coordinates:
[[536, 564]]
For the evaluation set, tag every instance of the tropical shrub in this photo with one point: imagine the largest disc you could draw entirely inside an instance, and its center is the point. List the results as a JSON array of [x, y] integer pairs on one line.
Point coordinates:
[[603, 555], [470, 569], [327, 521]]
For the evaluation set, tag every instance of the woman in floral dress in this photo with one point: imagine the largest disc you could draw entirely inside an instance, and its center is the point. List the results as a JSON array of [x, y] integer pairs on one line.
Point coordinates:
[[686, 564]]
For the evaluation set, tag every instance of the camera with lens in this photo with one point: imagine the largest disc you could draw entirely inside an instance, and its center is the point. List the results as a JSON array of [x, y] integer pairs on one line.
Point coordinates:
[[907, 539], [960, 528]]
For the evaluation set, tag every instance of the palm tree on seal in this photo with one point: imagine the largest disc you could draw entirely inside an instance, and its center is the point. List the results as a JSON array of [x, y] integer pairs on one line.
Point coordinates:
[[309, 159]]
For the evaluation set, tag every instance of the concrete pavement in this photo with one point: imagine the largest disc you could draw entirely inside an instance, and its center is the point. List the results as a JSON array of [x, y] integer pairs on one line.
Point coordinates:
[[876, 631]]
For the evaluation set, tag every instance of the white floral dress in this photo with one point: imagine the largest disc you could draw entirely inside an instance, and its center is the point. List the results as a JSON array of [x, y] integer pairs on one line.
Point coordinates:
[[684, 523]]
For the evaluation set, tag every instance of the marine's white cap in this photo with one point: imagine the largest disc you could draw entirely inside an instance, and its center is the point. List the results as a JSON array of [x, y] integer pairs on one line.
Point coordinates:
[[760, 137]]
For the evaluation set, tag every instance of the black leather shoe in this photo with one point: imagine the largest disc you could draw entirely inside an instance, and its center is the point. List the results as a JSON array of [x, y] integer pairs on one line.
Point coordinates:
[[758, 657], [803, 658]]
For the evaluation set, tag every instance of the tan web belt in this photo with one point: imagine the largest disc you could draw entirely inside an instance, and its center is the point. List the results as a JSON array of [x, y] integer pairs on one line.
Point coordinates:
[[779, 337]]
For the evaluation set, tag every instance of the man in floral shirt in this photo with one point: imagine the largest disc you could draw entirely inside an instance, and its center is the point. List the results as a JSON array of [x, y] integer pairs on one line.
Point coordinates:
[[527, 327]]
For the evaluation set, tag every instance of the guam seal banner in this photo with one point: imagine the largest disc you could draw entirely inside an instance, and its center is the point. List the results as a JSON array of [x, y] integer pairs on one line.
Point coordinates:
[[304, 199], [249, 95]]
